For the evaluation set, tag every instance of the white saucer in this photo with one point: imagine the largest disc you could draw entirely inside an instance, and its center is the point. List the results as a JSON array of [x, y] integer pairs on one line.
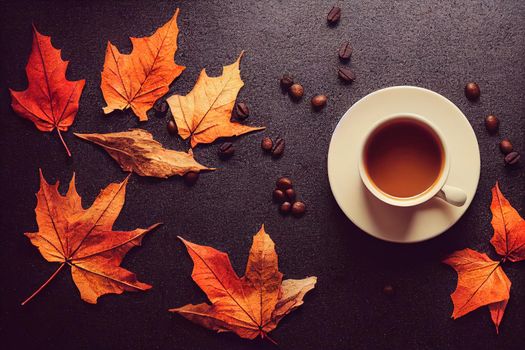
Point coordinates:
[[396, 224]]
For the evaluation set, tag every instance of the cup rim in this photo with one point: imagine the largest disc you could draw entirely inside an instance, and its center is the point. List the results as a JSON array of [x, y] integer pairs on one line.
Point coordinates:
[[420, 197]]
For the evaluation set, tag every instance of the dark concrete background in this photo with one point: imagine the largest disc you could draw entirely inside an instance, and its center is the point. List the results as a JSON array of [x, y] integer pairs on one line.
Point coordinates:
[[436, 45]]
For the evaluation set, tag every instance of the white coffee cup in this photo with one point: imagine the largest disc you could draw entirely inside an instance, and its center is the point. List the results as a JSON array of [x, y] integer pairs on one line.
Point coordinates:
[[440, 189]]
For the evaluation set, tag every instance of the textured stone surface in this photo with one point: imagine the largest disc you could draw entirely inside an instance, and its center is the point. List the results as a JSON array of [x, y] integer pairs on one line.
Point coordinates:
[[425, 43]]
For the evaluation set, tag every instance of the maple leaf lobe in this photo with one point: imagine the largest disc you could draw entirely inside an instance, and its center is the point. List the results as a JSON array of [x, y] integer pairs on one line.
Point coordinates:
[[509, 228]]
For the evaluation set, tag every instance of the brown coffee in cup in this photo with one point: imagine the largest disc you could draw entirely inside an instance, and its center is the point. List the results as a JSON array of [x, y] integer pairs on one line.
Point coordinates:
[[404, 157]]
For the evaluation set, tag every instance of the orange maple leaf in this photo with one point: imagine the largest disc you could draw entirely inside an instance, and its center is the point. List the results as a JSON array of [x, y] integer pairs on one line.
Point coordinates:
[[139, 79], [204, 113], [509, 228], [84, 239], [481, 281], [249, 306], [50, 101]]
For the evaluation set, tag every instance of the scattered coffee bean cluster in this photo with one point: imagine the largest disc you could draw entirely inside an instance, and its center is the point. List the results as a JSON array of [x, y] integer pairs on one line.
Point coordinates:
[[239, 113], [296, 92], [344, 73], [285, 196], [161, 110], [511, 157], [226, 150], [275, 149]]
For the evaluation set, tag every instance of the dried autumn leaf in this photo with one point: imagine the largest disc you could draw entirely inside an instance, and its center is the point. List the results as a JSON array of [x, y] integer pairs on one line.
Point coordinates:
[[249, 306], [136, 150], [139, 79], [204, 114], [50, 101], [481, 281], [509, 228], [84, 239]]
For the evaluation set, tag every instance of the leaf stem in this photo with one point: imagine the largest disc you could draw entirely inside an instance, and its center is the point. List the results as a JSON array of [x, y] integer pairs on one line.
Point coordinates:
[[63, 142], [45, 284], [265, 335]]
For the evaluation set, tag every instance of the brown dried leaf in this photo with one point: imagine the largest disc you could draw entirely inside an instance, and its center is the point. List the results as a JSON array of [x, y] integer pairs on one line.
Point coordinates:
[[136, 150]]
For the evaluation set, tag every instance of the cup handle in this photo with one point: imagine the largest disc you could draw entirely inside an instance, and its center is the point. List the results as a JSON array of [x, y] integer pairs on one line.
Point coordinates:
[[452, 195]]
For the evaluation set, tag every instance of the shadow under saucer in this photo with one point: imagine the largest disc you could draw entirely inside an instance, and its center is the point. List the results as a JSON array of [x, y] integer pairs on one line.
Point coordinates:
[[397, 221]]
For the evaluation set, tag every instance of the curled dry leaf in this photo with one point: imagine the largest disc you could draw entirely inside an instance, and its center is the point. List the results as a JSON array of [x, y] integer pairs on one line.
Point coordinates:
[[251, 305], [481, 281], [84, 239], [204, 114], [509, 228], [50, 101], [136, 150], [139, 79]]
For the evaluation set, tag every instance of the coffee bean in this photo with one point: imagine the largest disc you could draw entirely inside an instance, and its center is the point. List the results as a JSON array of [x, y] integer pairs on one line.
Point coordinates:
[[345, 51], [284, 183], [278, 148], [226, 150], [388, 290], [505, 146], [172, 127], [190, 178], [298, 209], [491, 123], [286, 82], [346, 74], [318, 101], [267, 144], [160, 109], [278, 196], [512, 158], [240, 111], [290, 194], [296, 91], [334, 15], [285, 208], [472, 91]]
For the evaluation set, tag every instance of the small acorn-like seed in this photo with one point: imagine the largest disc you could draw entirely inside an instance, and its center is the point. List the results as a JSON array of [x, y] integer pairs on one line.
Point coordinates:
[[492, 123], [290, 194], [172, 127], [319, 101], [472, 91], [284, 183], [285, 208], [505, 146], [278, 196], [190, 178], [286, 82], [267, 144], [388, 290], [298, 209], [296, 91]]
